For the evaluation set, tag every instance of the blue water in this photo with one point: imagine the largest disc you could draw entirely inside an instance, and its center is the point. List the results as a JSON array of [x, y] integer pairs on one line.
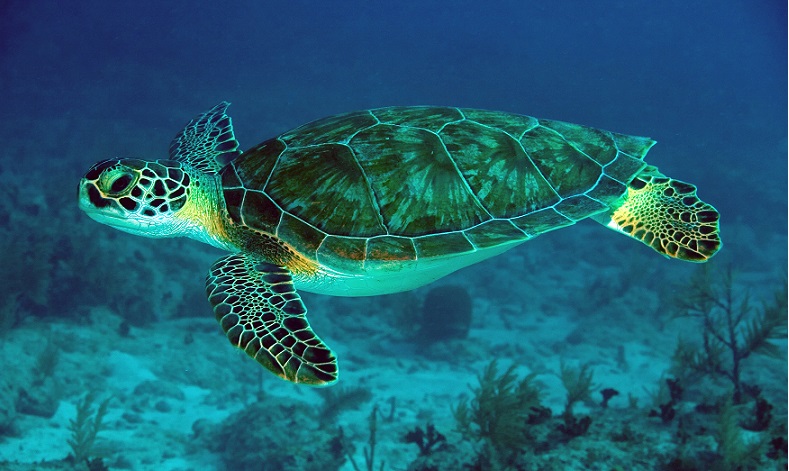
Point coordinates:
[[89, 80], [706, 79]]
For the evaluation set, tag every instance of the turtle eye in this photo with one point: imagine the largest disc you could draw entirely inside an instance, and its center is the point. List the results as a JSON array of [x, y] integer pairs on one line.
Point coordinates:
[[119, 183]]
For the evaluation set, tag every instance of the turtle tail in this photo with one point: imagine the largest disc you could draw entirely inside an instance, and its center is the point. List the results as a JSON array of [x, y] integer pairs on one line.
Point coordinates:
[[666, 215]]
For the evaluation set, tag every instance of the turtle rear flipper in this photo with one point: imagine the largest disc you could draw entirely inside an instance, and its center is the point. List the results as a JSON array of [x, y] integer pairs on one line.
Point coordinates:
[[666, 215], [261, 313]]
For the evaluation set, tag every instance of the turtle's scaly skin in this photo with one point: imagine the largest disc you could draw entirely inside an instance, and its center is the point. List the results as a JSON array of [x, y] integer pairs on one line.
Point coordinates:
[[381, 201]]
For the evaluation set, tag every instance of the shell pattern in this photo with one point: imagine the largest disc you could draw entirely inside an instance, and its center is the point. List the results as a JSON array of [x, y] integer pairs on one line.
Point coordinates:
[[405, 183]]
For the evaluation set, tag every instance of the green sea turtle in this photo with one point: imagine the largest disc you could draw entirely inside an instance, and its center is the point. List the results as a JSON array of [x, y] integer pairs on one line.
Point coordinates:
[[381, 201]]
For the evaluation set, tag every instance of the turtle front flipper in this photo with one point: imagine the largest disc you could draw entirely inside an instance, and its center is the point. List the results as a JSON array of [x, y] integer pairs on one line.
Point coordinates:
[[207, 142], [261, 313], [666, 215]]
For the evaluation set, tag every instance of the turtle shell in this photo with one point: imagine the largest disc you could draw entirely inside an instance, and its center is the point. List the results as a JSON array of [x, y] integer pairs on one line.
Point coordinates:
[[407, 183]]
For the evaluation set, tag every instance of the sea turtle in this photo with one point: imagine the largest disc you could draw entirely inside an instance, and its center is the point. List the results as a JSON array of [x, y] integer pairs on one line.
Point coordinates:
[[381, 201]]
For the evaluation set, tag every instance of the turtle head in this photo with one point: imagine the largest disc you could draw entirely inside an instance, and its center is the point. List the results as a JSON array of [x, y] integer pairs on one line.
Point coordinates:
[[137, 196]]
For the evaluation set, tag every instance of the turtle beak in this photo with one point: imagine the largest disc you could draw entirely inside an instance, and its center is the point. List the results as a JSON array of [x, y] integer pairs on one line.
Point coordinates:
[[95, 205], [108, 211], [89, 197], [83, 199]]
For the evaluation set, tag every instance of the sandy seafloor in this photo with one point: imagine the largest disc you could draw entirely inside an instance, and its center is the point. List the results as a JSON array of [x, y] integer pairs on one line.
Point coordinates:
[[87, 309], [172, 379]]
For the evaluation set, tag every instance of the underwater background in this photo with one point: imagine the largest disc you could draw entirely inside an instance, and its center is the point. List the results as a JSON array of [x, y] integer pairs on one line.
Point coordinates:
[[578, 350]]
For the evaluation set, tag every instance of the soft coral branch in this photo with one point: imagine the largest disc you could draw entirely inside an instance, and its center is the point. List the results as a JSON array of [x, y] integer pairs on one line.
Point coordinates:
[[732, 329]]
